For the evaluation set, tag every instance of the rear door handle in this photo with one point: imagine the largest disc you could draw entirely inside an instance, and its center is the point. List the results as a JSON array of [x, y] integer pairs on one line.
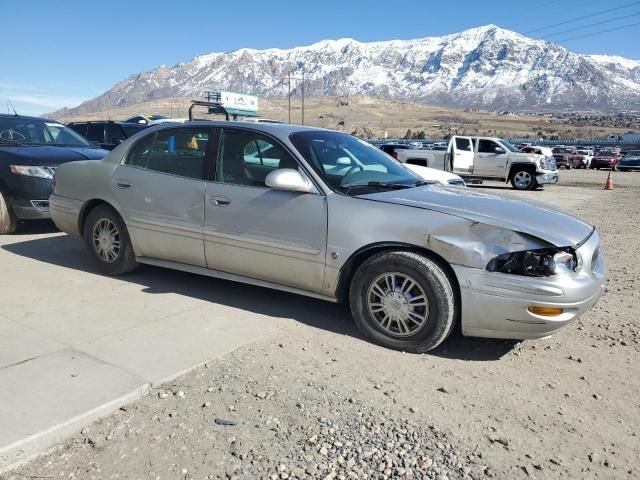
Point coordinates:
[[123, 184], [219, 201]]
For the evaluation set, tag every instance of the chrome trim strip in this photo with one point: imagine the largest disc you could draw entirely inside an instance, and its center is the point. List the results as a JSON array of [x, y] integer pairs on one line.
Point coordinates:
[[171, 226], [209, 272], [264, 243], [534, 289]]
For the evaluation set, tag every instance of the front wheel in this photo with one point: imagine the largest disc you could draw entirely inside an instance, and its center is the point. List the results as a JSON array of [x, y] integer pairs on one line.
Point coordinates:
[[107, 240], [403, 300], [8, 220], [524, 180]]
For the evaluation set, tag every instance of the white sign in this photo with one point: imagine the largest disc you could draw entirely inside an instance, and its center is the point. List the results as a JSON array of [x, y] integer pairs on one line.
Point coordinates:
[[239, 101]]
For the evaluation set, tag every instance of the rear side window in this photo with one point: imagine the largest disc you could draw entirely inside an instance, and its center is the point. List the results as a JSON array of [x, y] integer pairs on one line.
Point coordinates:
[[95, 132], [139, 154], [115, 134], [179, 151], [80, 128], [463, 144]]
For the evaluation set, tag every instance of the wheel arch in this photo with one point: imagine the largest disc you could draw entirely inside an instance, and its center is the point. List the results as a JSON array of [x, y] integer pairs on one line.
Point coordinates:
[[88, 206], [361, 255], [515, 167]]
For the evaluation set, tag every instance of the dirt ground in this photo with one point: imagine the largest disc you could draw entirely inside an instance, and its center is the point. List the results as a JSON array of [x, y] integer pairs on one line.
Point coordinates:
[[317, 401]]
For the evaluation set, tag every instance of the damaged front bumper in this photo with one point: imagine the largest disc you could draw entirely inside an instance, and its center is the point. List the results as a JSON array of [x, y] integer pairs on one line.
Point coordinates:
[[497, 305], [547, 177]]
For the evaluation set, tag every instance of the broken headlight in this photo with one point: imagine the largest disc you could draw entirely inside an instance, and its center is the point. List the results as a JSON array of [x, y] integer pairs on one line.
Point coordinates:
[[536, 263]]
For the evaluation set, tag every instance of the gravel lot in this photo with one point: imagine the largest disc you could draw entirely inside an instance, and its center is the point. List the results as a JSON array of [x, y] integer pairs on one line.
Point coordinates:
[[317, 401]]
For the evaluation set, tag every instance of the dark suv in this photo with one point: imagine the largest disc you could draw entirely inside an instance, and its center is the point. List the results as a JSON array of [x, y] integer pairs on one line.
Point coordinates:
[[107, 133], [30, 150]]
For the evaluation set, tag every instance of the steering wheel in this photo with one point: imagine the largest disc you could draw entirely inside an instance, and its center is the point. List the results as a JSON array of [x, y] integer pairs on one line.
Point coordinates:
[[352, 169]]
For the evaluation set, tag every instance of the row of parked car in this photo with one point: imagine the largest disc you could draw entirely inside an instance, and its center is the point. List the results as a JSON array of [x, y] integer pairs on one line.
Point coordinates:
[[609, 157]]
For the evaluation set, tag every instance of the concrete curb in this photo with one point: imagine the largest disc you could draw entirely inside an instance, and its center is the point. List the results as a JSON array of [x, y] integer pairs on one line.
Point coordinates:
[[26, 449]]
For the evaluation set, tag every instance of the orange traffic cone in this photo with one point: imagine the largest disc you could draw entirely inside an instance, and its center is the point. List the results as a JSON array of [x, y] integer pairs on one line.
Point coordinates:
[[609, 184]]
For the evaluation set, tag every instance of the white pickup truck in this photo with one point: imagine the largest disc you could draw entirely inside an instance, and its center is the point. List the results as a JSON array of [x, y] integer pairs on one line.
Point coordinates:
[[487, 158]]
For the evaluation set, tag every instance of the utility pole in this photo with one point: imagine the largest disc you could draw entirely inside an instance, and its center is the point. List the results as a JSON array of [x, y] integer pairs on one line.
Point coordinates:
[[302, 97], [289, 97]]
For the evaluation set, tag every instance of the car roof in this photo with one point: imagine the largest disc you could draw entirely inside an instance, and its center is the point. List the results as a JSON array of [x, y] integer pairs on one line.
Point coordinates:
[[271, 128], [26, 117], [101, 121]]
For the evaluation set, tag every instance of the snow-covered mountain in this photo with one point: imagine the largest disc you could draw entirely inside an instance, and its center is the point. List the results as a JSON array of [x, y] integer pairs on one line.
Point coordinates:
[[484, 67]]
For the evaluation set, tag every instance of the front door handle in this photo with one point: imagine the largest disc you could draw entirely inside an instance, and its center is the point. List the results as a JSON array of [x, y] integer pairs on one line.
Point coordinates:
[[219, 201]]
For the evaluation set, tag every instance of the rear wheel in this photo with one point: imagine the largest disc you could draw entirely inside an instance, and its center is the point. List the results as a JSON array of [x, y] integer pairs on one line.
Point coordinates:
[[8, 221], [107, 240], [403, 300], [524, 180]]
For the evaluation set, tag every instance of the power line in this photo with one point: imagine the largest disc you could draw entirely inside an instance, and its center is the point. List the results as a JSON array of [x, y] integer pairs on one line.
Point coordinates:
[[589, 25], [582, 18], [598, 33]]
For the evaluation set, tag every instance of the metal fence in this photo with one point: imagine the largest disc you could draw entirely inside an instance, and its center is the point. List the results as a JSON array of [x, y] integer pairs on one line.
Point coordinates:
[[515, 141]]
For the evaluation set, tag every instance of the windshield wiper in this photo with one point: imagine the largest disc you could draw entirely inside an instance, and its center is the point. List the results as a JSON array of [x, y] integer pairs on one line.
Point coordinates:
[[384, 185]]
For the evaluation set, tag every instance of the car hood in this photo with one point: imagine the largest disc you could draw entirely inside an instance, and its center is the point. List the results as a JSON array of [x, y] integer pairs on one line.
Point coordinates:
[[432, 174], [533, 218], [49, 155]]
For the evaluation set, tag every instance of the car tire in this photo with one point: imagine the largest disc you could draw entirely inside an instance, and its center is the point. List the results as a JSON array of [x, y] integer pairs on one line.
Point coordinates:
[[432, 320], [524, 180], [8, 221], [107, 240]]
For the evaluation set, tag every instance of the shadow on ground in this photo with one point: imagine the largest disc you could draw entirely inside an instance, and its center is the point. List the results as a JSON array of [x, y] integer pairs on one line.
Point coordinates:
[[68, 252]]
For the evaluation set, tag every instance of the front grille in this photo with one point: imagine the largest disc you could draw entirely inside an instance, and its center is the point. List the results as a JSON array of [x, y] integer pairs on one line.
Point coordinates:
[[551, 163]]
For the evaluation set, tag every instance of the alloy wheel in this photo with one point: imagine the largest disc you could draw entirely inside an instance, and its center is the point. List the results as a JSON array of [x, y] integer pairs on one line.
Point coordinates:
[[523, 179], [106, 240], [398, 304]]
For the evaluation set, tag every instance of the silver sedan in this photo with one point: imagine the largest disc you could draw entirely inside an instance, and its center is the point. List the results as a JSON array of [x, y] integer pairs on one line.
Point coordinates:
[[323, 214]]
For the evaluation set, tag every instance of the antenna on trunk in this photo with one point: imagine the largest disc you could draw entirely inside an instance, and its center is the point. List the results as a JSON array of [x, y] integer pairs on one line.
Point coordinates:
[[10, 106]]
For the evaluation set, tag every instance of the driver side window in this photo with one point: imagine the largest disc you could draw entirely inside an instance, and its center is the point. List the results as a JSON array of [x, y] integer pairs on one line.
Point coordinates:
[[246, 158], [487, 146]]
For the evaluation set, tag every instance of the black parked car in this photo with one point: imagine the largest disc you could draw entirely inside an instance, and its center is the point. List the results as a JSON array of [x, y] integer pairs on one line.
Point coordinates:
[[390, 148], [30, 150], [107, 133]]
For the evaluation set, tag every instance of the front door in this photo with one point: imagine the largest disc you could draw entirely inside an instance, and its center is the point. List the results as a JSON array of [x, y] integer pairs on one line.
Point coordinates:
[[461, 150], [491, 158], [258, 232], [161, 188]]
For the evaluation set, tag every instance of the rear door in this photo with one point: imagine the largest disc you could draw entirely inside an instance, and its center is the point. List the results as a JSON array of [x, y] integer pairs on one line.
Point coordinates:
[[161, 187], [462, 155], [491, 158], [115, 135], [258, 232], [95, 133]]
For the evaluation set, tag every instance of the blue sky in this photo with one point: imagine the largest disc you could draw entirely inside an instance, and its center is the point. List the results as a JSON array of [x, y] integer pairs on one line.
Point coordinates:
[[60, 53]]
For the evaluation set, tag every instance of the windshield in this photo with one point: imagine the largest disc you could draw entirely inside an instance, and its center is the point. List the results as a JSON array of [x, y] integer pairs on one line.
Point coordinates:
[[510, 147], [349, 165], [31, 131]]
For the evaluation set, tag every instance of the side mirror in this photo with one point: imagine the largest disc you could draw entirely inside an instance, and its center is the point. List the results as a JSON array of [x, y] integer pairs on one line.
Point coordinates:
[[498, 150], [289, 180]]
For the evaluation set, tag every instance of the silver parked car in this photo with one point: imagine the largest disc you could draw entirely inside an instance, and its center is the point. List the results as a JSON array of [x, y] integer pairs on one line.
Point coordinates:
[[325, 214]]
